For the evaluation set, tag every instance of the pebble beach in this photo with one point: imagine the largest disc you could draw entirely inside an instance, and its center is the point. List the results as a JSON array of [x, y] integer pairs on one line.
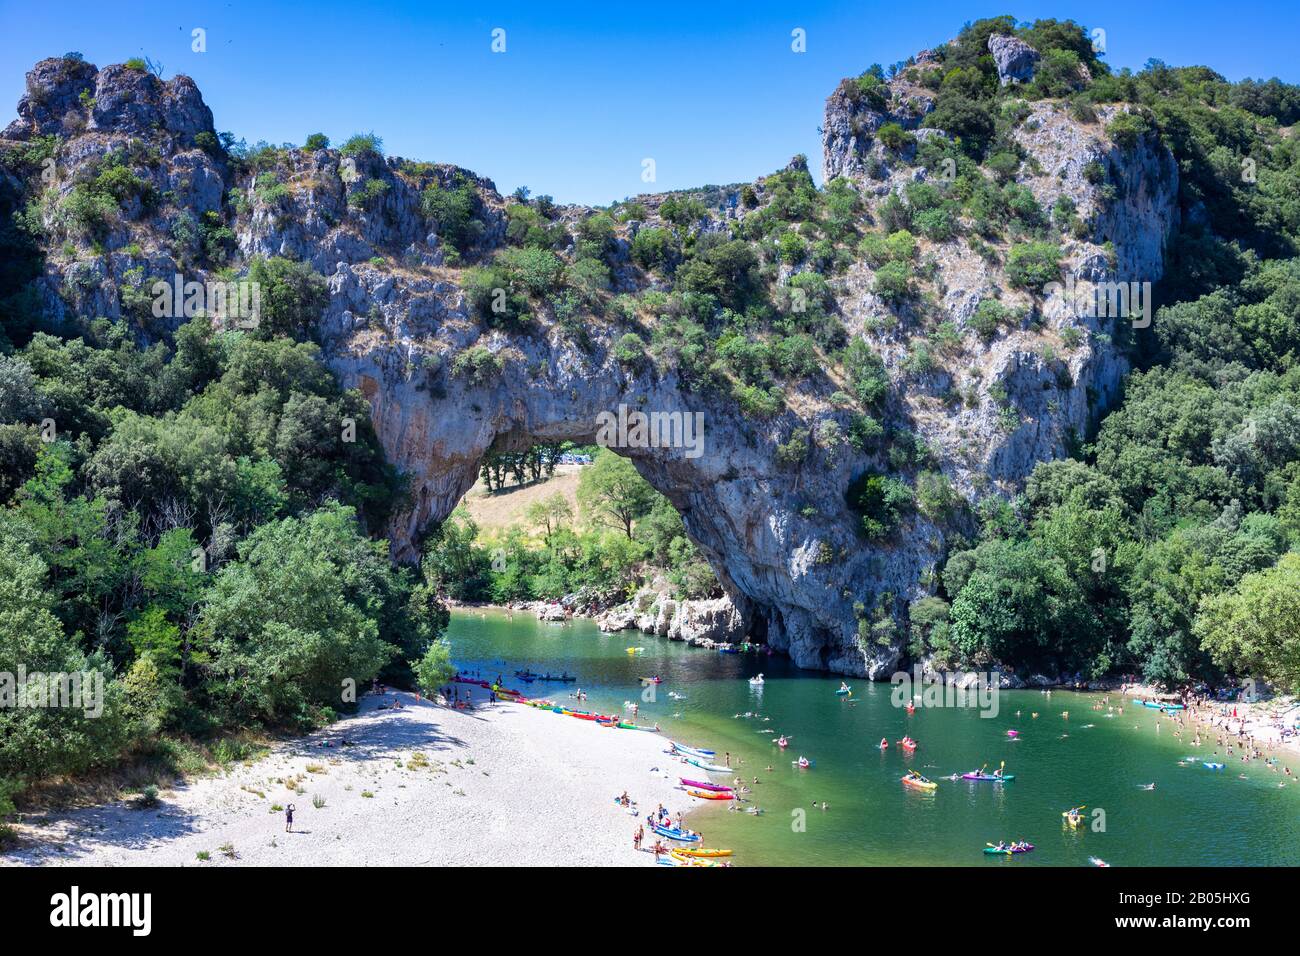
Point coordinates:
[[499, 784]]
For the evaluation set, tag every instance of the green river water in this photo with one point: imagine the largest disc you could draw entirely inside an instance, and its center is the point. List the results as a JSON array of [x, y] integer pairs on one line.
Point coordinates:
[[1194, 817]]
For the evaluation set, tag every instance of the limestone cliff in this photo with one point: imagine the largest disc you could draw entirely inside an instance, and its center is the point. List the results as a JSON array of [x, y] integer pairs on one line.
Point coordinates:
[[783, 540]]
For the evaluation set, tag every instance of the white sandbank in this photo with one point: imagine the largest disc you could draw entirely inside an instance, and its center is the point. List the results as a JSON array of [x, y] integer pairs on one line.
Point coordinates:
[[539, 791]]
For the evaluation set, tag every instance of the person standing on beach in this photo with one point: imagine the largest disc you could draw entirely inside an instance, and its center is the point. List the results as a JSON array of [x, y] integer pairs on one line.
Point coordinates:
[[288, 818]]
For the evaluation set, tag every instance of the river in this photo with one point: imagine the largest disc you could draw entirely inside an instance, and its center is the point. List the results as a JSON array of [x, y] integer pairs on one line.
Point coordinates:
[[1096, 758]]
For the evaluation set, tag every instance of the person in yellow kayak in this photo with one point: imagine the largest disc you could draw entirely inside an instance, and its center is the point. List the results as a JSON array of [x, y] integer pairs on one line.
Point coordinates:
[[1073, 816]]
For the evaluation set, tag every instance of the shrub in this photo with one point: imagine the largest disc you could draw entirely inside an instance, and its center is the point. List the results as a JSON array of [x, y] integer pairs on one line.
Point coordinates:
[[653, 248], [293, 296], [880, 501], [1033, 265], [453, 209], [989, 316], [362, 143], [894, 137], [757, 402], [630, 350], [477, 363], [1127, 128], [893, 282], [538, 270], [682, 210], [866, 372], [372, 190], [317, 141], [939, 224]]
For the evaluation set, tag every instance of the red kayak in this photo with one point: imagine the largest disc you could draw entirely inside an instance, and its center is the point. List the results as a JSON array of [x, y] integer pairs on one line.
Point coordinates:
[[701, 785]]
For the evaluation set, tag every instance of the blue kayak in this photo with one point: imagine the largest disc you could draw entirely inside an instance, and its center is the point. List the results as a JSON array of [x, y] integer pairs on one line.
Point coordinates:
[[677, 835]]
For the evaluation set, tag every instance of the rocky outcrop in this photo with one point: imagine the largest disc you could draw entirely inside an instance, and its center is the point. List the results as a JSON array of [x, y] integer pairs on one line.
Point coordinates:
[[854, 115], [718, 621], [704, 622], [446, 387], [1016, 60]]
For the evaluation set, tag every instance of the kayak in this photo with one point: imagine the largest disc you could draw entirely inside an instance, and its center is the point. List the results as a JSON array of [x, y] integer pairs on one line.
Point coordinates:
[[700, 851], [1158, 705], [711, 794], [635, 650], [1065, 815], [626, 726], [710, 767], [919, 784], [844, 690], [988, 776], [652, 680], [1097, 861], [907, 744], [701, 785], [693, 751], [679, 857], [1213, 766], [676, 834], [1023, 849]]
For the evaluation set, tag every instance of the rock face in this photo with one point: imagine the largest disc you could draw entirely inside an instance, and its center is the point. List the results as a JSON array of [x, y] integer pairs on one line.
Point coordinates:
[[445, 387], [1016, 60]]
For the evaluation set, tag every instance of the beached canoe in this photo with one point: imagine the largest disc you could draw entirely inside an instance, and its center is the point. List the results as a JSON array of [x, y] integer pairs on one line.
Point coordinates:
[[1008, 851], [678, 857], [701, 785], [710, 767], [711, 794], [677, 835], [700, 851], [919, 784], [693, 751], [988, 777], [624, 725]]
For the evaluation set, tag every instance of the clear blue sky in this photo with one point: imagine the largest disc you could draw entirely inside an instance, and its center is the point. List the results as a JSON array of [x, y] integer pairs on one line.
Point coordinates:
[[584, 92]]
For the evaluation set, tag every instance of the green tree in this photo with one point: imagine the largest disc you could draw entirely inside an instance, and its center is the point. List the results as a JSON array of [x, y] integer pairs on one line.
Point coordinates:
[[1251, 630], [612, 492]]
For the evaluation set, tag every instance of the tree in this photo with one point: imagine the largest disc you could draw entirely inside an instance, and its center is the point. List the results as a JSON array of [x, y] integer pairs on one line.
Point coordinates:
[[38, 741], [434, 670], [612, 492], [550, 513], [293, 295], [280, 661], [453, 563], [1251, 630]]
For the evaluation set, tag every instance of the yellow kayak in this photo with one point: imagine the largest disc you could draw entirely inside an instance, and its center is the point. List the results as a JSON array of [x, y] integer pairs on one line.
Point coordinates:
[[702, 851], [1076, 823], [920, 783], [681, 859]]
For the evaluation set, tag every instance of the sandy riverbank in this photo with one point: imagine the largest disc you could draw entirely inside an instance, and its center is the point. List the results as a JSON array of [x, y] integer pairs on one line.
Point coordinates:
[[504, 784], [1261, 721]]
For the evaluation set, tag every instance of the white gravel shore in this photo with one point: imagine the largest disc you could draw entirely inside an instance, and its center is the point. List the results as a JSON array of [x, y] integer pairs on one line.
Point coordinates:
[[505, 784]]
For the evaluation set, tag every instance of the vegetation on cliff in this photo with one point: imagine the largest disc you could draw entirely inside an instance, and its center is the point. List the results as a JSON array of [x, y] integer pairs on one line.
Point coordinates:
[[163, 486]]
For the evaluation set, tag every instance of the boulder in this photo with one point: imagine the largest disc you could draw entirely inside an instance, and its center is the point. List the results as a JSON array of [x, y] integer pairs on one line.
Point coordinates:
[[1016, 60]]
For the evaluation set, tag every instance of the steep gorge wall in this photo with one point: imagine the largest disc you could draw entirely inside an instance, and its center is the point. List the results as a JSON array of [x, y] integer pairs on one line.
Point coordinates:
[[782, 539]]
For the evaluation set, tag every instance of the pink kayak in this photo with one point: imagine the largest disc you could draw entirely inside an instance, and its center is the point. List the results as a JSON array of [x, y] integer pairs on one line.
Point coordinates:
[[701, 785]]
